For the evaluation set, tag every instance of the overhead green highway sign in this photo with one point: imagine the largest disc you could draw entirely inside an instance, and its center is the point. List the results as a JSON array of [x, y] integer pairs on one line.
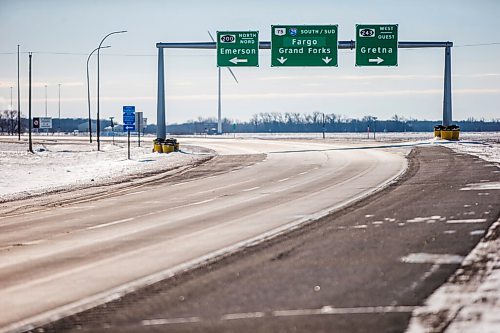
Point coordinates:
[[304, 45], [237, 48], [376, 45]]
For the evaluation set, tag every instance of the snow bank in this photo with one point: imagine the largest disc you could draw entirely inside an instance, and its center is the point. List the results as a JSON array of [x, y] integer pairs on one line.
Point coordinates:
[[67, 165]]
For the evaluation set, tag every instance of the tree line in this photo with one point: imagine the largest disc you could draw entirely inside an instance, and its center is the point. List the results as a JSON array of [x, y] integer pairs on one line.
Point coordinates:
[[267, 122], [291, 122]]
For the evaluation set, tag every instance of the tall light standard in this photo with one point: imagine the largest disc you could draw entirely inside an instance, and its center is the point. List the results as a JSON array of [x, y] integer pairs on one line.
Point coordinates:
[[18, 99], [45, 101], [59, 107], [88, 90], [98, 101]]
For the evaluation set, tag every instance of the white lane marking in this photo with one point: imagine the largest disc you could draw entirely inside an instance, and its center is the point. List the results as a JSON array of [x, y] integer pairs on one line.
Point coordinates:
[[250, 189], [220, 188], [153, 322], [378, 222], [466, 221], [481, 186], [182, 183], [477, 232], [369, 215], [325, 310], [133, 193], [303, 173], [449, 232], [233, 316], [110, 223], [362, 226], [485, 193], [329, 310], [430, 219], [192, 204], [78, 207], [284, 179], [432, 258]]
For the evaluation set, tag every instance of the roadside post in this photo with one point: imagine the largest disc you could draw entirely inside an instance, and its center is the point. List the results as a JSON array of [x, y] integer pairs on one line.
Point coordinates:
[[112, 129], [139, 122], [128, 123]]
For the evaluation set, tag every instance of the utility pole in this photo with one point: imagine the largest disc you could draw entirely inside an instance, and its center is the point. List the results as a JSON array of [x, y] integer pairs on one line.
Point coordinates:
[[59, 129], [18, 99], [45, 100], [11, 115], [112, 129], [323, 125], [30, 149]]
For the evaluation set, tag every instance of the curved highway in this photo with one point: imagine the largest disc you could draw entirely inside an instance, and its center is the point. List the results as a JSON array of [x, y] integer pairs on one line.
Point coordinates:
[[60, 260]]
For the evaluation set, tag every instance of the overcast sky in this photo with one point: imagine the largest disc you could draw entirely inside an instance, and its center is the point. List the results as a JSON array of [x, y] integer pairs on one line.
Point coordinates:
[[61, 34]]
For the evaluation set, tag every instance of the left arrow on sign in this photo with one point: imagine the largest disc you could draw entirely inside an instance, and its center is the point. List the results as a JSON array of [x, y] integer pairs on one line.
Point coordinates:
[[235, 60], [378, 60]]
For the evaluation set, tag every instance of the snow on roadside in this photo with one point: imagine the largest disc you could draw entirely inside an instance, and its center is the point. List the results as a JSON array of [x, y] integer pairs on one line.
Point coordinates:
[[67, 165], [470, 300]]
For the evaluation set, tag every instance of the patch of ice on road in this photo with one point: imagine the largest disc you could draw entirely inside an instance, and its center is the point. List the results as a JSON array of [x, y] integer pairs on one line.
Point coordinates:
[[430, 258], [481, 186], [477, 232]]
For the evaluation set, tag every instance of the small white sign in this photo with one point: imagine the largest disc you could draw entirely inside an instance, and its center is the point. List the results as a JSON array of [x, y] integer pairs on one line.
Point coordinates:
[[280, 31], [45, 122]]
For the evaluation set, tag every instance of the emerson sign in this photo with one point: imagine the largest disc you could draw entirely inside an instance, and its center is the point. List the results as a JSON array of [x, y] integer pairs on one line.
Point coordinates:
[[377, 45], [237, 48]]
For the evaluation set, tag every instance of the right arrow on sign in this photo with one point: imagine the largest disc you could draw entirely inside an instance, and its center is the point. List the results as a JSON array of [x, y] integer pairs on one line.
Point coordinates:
[[326, 60], [282, 60], [378, 60]]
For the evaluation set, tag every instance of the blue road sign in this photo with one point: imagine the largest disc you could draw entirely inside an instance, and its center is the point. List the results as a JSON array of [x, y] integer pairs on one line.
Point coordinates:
[[129, 118]]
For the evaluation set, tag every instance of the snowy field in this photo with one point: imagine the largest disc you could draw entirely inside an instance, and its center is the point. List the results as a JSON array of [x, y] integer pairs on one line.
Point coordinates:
[[62, 164]]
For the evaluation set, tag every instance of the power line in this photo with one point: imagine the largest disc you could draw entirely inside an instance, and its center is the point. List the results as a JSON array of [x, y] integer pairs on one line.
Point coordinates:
[[187, 55]]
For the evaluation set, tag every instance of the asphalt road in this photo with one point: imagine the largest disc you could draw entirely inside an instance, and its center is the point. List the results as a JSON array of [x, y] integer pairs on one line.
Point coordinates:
[[58, 259], [363, 269]]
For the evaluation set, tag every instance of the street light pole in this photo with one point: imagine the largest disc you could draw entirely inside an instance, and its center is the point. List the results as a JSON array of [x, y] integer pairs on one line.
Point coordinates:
[[98, 101], [59, 107], [45, 101], [18, 99], [88, 90]]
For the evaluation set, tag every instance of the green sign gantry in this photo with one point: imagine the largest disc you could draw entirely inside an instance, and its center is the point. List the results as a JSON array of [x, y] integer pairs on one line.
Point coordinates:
[[376, 45], [237, 48], [304, 45]]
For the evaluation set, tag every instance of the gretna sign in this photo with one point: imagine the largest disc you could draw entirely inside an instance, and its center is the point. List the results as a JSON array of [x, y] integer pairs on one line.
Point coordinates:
[[376, 45]]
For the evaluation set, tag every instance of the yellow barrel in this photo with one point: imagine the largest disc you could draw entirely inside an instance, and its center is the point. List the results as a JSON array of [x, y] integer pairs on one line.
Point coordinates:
[[447, 134], [157, 147], [437, 133], [455, 134], [167, 148]]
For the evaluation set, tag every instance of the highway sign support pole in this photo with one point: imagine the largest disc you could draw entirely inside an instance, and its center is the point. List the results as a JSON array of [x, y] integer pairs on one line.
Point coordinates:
[[342, 45], [447, 117], [219, 113], [128, 154], [30, 143], [161, 129]]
